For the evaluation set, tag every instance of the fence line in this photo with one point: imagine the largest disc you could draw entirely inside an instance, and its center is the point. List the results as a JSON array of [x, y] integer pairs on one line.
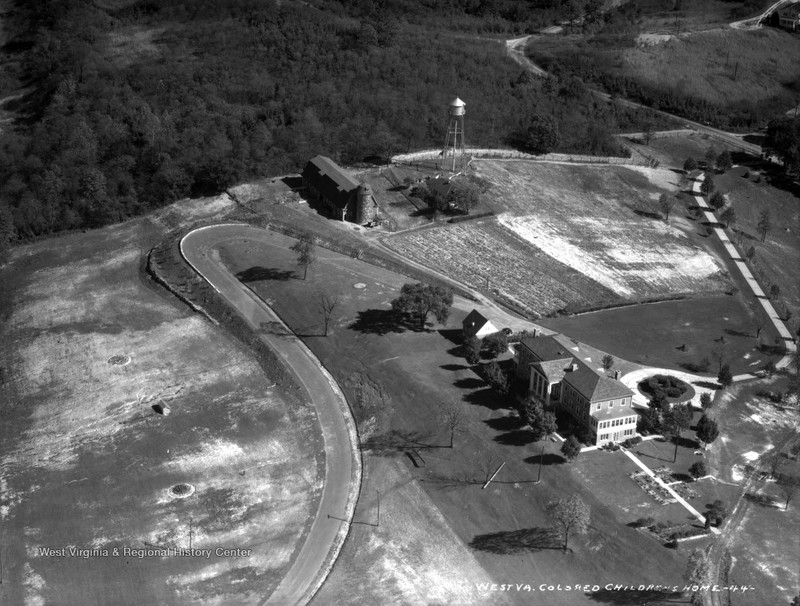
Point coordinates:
[[435, 155]]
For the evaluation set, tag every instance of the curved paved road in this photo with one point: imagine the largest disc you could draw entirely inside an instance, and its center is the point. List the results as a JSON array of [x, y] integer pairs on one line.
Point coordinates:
[[342, 462]]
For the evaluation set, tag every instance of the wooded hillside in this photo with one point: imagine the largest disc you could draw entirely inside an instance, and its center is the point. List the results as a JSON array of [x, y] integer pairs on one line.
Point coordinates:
[[129, 107]]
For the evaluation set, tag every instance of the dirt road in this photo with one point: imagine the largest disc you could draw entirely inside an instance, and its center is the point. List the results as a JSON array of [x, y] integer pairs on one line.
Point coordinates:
[[342, 461]]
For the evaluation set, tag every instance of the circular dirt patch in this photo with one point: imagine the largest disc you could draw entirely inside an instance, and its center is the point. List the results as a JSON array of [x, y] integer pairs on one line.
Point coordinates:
[[181, 491], [674, 389], [359, 285], [119, 360]]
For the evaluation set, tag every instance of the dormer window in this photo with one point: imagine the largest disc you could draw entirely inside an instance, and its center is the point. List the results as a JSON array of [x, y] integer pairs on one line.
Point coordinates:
[[611, 404]]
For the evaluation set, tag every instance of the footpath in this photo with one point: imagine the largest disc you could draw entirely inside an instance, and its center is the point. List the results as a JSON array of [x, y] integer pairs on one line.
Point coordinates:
[[741, 265]]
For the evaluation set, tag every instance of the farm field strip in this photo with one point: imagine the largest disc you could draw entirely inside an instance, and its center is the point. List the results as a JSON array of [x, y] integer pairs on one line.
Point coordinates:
[[475, 251], [629, 258]]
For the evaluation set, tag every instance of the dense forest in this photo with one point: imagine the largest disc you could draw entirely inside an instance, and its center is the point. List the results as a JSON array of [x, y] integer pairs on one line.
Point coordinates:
[[130, 107]]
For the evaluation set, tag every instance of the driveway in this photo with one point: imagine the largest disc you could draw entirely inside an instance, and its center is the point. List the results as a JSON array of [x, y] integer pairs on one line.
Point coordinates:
[[342, 482]]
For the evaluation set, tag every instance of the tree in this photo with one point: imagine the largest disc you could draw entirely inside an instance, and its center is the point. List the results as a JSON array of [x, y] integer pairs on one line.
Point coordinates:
[[698, 573], [717, 200], [705, 401], [718, 511], [723, 161], [472, 350], [710, 157], [751, 254], [649, 421], [698, 470], [788, 485], [464, 195], [305, 249], [770, 368], [451, 415], [707, 430], [759, 321], [774, 291], [725, 377], [608, 362], [675, 421], [772, 461], [542, 135], [728, 217], [496, 343], [707, 185], [571, 448], [419, 300], [541, 422], [665, 204], [328, 303], [689, 164], [570, 515], [497, 379], [764, 224], [783, 140]]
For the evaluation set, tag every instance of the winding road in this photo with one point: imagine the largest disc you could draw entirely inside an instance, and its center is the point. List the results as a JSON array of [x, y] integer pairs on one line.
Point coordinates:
[[342, 461]]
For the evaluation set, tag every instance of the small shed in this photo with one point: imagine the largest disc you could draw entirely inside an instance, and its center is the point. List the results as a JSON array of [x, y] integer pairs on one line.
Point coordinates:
[[475, 325]]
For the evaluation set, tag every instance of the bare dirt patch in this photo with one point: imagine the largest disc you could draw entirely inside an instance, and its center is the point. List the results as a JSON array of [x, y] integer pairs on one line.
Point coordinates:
[[87, 461]]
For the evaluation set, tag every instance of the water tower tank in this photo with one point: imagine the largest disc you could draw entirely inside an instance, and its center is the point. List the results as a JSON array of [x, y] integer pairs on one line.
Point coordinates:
[[457, 107]]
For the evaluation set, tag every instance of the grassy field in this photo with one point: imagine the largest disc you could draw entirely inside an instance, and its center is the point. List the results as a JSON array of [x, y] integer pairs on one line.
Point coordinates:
[[725, 67], [88, 463], [694, 15], [439, 533], [778, 257], [573, 259], [652, 334]]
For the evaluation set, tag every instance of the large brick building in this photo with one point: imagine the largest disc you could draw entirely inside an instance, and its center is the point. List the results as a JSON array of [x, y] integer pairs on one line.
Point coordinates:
[[341, 196], [556, 378]]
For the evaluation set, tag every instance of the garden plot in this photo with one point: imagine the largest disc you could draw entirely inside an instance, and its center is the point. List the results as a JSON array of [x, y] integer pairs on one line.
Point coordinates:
[[479, 251]]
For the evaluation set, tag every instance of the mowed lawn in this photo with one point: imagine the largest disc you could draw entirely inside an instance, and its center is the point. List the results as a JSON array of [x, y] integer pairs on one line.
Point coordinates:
[[655, 334], [87, 462], [460, 534], [568, 238]]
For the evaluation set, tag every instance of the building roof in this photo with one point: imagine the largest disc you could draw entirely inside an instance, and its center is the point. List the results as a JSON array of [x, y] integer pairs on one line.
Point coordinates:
[[578, 374], [332, 181], [554, 370], [546, 348], [609, 414], [475, 320]]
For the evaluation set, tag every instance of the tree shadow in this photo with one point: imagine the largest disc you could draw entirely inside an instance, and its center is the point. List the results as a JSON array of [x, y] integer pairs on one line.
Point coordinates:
[[488, 398], [469, 383], [509, 423], [681, 477], [546, 459], [381, 322], [737, 333], [275, 328], [762, 500], [395, 442], [293, 182], [648, 214], [454, 367], [635, 597], [255, 274], [511, 542], [518, 437]]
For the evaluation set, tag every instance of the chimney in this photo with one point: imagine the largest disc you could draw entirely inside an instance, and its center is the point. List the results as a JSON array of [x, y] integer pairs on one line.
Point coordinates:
[[617, 374], [574, 367]]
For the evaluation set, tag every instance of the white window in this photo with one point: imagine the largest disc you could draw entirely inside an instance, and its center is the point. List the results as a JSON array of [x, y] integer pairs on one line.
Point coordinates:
[[611, 404], [598, 407], [623, 402]]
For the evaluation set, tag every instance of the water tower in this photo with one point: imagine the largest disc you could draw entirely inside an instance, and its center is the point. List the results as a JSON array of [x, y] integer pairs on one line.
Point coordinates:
[[454, 139]]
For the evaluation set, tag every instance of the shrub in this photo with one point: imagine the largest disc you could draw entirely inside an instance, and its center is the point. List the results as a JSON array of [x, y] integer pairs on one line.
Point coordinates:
[[645, 522], [698, 470], [631, 442], [705, 401]]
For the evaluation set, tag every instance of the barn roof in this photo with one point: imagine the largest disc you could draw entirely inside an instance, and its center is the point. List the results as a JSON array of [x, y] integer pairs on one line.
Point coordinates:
[[332, 181], [475, 319]]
